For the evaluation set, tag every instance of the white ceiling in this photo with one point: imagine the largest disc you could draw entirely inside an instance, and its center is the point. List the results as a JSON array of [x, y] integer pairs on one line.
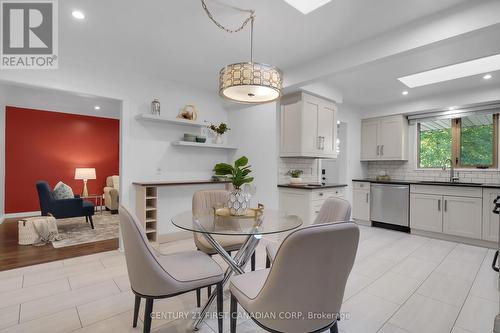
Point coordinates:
[[175, 40], [58, 101], [377, 83]]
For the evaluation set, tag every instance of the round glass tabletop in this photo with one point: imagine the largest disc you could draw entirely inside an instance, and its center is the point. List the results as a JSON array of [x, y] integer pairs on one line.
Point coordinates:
[[270, 222]]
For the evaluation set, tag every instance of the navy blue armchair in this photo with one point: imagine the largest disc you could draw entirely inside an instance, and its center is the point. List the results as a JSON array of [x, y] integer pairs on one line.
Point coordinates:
[[64, 208]]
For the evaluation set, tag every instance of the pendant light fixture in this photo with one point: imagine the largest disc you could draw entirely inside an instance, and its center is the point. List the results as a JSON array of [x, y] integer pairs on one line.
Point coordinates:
[[248, 82]]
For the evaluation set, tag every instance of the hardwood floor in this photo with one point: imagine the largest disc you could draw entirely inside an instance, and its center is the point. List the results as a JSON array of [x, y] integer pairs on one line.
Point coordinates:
[[13, 255]]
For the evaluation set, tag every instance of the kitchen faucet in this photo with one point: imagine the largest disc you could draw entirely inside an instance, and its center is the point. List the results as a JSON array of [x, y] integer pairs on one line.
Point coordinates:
[[453, 178]]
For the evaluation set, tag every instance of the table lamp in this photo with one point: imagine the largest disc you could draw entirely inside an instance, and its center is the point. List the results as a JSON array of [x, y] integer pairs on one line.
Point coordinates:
[[85, 174]]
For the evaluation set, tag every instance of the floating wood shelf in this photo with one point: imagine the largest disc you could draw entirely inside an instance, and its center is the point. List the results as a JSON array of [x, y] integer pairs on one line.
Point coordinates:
[[202, 145], [175, 121]]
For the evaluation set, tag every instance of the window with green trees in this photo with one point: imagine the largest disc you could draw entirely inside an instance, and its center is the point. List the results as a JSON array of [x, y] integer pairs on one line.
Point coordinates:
[[469, 141]]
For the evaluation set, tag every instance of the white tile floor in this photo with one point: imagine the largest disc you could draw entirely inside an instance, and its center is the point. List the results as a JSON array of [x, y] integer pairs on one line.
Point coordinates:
[[400, 283]]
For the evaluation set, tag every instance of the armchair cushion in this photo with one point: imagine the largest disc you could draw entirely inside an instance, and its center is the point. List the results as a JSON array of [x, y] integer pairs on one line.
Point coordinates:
[[63, 191]]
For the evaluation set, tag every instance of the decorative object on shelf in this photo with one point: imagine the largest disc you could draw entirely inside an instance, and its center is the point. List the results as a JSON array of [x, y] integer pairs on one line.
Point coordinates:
[[295, 176], [189, 137], [239, 201], [155, 107], [383, 176], [85, 174], [201, 139], [247, 82], [188, 112], [219, 131]]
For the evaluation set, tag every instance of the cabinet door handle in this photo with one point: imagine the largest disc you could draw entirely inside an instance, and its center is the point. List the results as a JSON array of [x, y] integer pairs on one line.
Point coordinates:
[[367, 197], [445, 205], [378, 150], [320, 194], [382, 150], [439, 204]]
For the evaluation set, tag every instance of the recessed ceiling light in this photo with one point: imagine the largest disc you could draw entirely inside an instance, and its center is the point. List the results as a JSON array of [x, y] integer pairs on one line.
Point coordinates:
[[487, 76], [404, 93], [78, 14], [97, 107], [307, 6], [452, 72]]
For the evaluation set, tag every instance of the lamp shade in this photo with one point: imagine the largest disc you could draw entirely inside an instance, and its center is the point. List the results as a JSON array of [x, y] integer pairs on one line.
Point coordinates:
[[85, 173], [250, 82]]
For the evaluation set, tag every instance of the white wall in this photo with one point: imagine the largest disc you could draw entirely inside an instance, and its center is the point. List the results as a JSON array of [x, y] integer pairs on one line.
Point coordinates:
[[2, 155], [255, 131], [146, 153]]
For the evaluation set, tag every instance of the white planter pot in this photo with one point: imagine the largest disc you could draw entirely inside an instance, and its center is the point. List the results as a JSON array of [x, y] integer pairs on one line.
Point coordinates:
[[238, 202], [218, 139], [295, 180]]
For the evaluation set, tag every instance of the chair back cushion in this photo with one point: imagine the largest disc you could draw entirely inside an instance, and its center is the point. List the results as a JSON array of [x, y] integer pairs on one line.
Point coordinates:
[[113, 181], [63, 191], [45, 196], [203, 203], [309, 275], [147, 276], [334, 210]]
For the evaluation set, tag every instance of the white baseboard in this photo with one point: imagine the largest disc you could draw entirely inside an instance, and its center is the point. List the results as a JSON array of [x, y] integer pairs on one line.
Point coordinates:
[[458, 239], [2, 218], [22, 214]]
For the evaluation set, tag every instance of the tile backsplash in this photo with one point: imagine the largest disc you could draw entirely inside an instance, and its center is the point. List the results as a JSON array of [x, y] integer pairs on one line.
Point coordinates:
[[405, 171], [308, 165]]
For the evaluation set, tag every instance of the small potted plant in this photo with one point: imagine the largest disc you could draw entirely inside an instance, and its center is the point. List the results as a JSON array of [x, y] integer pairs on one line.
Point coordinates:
[[219, 131], [238, 201], [295, 176]]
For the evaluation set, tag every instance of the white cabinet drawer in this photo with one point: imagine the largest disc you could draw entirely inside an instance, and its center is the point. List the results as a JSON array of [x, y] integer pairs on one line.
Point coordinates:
[[361, 186], [327, 193], [458, 191]]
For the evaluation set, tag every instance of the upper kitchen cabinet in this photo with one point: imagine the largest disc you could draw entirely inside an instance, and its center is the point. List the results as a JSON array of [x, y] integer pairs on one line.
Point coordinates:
[[308, 126], [384, 139]]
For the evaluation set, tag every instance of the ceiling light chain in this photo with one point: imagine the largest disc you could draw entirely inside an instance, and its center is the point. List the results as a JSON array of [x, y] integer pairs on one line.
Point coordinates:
[[211, 17]]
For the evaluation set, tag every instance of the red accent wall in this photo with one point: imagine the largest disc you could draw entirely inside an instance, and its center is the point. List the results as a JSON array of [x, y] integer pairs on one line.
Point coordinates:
[[44, 145]]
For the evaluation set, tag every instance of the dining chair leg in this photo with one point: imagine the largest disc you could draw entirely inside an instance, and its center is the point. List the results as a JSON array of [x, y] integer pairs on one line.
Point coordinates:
[[252, 264], [220, 306], [147, 315], [86, 219], [334, 328], [91, 222], [233, 314], [198, 297], [209, 291], [137, 305], [268, 262]]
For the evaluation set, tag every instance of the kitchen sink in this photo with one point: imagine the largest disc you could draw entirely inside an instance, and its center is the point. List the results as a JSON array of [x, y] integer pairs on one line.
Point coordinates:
[[432, 182]]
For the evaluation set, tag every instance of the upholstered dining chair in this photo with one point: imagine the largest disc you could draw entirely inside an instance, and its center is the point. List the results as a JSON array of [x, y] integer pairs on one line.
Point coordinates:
[[332, 210], [300, 282], [154, 276], [203, 203]]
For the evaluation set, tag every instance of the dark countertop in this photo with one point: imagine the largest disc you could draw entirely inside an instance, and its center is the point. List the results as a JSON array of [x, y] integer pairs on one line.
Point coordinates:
[[312, 187], [179, 182], [419, 182]]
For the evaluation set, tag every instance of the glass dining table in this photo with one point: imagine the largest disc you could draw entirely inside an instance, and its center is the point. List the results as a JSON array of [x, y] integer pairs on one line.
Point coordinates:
[[263, 222]]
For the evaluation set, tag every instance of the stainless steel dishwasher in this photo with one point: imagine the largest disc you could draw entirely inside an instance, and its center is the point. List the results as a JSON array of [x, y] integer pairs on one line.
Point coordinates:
[[389, 206]]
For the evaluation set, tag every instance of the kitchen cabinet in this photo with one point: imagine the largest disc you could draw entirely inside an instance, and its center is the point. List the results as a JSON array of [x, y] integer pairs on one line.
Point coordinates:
[[490, 220], [361, 201], [306, 203], [426, 212], [447, 209], [308, 126], [384, 139]]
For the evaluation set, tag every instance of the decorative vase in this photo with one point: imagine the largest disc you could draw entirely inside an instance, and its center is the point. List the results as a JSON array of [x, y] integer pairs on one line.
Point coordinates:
[[218, 139], [295, 180], [238, 202], [155, 107]]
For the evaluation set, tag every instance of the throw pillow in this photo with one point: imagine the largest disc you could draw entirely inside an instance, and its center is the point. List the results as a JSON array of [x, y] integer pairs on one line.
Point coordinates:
[[63, 191], [116, 182]]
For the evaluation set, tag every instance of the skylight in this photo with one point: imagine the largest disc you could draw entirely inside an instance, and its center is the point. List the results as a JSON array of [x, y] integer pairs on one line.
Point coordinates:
[[307, 6], [452, 72]]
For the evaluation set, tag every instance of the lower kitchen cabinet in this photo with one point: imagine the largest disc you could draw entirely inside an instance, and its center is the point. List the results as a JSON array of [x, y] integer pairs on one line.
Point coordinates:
[[426, 212], [361, 201], [306, 203], [462, 216], [490, 220]]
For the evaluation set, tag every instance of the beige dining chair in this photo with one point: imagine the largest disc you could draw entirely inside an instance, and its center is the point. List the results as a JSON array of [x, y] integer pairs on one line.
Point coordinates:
[[203, 203], [300, 282], [332, 210], [154, 276]]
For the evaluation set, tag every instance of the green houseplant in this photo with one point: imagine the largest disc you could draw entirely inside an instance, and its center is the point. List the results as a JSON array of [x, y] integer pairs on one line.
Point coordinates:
[[295, 176], [219, 131], [239, 201]]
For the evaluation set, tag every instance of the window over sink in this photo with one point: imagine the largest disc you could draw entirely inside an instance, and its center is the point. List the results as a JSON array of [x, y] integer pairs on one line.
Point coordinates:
[[470, 141]]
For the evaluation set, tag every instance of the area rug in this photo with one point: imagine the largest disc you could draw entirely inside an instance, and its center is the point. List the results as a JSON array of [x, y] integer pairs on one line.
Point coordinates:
[[76, 231]]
